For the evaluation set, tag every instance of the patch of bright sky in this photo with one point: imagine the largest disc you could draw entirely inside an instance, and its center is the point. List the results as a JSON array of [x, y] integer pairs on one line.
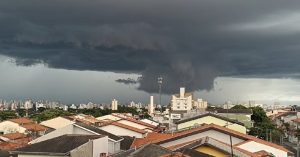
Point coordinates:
[[70, 86]]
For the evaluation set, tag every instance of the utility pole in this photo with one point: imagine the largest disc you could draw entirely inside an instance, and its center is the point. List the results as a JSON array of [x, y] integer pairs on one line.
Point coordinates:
[[160, 81], [270, 135], [231, 146], [267, 136]]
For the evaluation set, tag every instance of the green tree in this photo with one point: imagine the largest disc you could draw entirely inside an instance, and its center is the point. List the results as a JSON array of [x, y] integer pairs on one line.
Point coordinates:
[[49, 114], [239, 107], [4, 115], [259, 116], [263, 126]]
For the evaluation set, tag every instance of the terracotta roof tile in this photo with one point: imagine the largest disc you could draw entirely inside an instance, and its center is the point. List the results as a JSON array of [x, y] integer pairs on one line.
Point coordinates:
[[14, 145], [150, 138], [21, 120], [14, 136], [34, 127], [183, 134]]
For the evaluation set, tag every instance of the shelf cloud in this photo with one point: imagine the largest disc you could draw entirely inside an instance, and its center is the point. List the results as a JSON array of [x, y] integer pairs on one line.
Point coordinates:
[[188, 43]]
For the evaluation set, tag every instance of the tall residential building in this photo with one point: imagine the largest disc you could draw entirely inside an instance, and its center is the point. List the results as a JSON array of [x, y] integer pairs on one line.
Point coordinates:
[[182, 101], [151, 106], [28, 104], [114, 105]]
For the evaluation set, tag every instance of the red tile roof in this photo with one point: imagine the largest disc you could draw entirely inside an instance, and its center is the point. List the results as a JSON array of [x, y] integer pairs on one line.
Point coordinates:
[[151, 136], [168, 138], [21, 120], [34, 127], [14, 136], [15, 144]]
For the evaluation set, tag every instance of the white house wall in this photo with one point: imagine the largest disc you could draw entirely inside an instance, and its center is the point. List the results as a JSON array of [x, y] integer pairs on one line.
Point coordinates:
[[254, 147], [85, 150], [100, 146]]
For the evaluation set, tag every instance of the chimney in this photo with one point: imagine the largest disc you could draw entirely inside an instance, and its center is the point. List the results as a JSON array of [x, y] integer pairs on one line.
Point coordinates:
[[151, 106], [151, 100], [182, 92]]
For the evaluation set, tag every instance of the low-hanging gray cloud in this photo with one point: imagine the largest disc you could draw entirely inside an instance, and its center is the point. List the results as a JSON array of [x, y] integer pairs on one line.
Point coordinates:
[[188, 43]]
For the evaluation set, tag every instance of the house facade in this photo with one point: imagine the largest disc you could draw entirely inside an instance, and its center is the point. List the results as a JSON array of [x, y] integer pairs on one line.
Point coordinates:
[[83, 129], [210, 118]]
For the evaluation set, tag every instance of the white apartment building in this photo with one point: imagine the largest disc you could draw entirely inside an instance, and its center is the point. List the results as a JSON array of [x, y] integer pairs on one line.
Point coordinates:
[[114, 105], [182, 101]]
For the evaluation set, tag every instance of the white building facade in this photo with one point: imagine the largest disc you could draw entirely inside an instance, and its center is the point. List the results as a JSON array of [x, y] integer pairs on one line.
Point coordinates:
[[182, 102]]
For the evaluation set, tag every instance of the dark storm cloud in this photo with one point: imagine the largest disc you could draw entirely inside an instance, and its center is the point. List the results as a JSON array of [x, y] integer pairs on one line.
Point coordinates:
[[127, 81], [188, 43]]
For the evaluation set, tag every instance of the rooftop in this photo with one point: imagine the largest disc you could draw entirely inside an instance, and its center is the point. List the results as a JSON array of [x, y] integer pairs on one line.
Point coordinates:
[[126, 127], [219, 110], [21, 121], [99, 131], [209, 114], [178, 135], [13, 136], [58, 145], [34, 127]]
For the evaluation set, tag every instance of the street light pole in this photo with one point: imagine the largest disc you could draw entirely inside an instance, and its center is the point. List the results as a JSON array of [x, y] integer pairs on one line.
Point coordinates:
[[160, 81]]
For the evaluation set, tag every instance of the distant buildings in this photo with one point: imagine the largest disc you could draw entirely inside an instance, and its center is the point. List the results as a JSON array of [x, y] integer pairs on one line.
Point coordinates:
[[200, 104], [136, 105]]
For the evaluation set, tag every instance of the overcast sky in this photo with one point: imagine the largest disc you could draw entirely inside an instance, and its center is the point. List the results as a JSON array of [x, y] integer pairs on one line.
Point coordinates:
[[74, 50]]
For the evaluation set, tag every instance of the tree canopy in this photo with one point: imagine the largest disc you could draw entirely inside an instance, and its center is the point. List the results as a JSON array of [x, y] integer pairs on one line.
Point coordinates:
[[4, 115], [239, 107]]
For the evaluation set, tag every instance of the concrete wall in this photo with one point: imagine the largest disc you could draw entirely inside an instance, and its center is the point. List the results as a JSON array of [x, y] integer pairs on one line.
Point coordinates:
[[85, 150], [121, 131], [100, 146], [113, 147], [11, 127], [212, 120], [210, 133], [254, 147]]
